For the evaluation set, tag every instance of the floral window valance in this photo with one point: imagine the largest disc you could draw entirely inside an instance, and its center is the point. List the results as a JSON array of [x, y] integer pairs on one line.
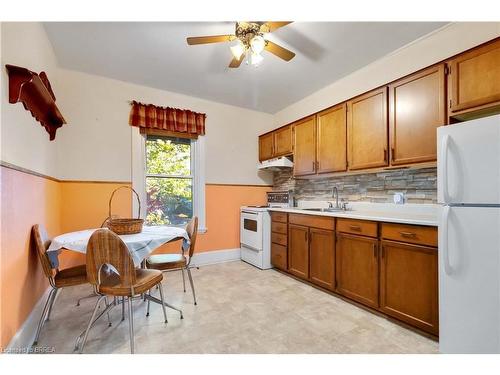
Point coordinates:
[[151, 118]]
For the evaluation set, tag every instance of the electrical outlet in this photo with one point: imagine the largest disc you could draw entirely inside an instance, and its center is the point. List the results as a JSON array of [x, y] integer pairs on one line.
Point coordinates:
[[399, 198]]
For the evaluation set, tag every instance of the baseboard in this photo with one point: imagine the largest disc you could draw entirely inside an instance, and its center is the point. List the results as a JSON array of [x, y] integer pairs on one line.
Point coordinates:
[[23, 339], [217, 256]]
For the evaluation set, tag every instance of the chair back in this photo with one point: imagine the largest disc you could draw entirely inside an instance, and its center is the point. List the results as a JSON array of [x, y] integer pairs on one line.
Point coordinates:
[[106, 248], [41, 242], [192, 231]]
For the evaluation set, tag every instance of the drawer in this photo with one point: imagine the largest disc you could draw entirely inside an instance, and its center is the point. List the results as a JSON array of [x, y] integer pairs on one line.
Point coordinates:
[[322, 222], [278, 256], [416, 234], [281, 217], [279, 238], [279, 228], [361, 227]]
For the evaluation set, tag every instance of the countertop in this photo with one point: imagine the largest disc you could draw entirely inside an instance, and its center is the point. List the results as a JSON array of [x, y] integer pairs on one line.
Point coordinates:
[[416, 215]]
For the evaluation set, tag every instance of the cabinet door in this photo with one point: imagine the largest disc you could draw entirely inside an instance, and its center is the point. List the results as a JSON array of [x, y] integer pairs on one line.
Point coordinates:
[[357, 268], [409, 284], [298, 250], [283, 141], [416, 109], [304, 157], [266, 146], [279, 256], [474, 78], [367, 130], [322, 257], [332, 140]]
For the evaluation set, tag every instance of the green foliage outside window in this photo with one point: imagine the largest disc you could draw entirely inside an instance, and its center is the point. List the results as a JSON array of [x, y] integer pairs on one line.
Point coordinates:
[[169, 186]]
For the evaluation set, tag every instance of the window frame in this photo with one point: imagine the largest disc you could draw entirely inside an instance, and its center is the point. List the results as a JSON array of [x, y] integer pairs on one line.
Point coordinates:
[[192, 170], [138, 162]]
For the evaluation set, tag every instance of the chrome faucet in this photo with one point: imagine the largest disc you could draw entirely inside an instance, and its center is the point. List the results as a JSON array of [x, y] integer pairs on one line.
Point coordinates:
[[335, 194]]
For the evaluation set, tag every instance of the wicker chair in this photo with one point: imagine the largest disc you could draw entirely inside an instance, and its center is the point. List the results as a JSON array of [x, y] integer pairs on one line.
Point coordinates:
[[106, 249], [170, 262], [58, 279]]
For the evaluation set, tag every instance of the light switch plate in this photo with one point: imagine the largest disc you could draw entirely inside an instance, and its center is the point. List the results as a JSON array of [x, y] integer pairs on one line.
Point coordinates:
[[399, 198]]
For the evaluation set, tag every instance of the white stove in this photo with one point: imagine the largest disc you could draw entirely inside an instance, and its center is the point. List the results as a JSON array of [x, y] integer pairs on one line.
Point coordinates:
[[255, 230]]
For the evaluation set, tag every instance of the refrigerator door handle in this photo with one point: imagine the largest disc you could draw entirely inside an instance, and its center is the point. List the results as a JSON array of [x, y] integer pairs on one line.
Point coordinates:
[[444, 167], [444, 237]]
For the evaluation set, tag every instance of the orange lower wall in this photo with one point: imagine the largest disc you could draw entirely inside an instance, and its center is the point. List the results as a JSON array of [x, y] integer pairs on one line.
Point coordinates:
[[85, 205], [69, 206], [26, 200]]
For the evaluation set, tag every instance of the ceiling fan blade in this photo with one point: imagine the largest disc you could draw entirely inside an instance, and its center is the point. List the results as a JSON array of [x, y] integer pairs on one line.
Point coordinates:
[[269, 27], [209, 39], [279, 51], [235, 63]]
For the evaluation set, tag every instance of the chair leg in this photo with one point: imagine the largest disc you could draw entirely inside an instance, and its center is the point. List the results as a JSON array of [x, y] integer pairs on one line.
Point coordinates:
[[131, 324], [42, 318], [162, 302], [123, 309], [92, 295], [52, 301], [90, 323], [107, 305], [192, 285], [147, 311], [183, 280]]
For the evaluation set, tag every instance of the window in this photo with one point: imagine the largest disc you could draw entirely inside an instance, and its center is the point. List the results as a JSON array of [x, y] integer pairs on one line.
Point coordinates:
[[169, 180]]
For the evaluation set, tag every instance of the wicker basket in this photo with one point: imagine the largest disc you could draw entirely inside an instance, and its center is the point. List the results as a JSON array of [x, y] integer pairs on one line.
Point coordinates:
[[124, 226]]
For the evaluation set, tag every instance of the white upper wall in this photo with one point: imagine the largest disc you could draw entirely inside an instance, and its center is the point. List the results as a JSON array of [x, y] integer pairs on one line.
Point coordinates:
[[96, 145], [446, 42], [24, 141]]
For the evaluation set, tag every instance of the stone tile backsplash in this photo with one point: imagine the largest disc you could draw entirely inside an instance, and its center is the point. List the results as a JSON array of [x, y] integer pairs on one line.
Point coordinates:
[[419, 185]]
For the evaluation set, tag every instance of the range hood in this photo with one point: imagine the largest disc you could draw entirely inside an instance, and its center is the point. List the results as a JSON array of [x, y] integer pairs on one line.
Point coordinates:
[[276, 164]]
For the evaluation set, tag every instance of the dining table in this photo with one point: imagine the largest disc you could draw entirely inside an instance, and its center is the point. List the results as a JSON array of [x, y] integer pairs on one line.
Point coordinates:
[[140, 245]]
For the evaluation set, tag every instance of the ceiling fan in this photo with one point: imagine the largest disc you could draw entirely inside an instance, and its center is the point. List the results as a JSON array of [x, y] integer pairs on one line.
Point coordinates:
[[250, 42]]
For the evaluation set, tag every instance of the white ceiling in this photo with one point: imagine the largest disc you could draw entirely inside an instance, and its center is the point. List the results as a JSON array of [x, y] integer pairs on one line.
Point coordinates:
[[156, 55]]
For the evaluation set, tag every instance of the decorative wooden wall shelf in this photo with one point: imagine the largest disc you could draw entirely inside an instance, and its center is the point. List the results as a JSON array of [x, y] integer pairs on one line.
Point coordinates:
[[35, 92]]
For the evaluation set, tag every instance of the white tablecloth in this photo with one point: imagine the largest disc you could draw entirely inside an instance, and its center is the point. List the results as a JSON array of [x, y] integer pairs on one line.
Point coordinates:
[[140, 245]]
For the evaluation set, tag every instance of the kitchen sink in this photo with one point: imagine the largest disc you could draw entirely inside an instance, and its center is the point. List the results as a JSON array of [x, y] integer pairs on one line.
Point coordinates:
[[324, 209]]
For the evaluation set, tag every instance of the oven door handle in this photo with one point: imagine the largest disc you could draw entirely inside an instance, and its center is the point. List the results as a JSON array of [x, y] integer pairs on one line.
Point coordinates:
[[250, 213]]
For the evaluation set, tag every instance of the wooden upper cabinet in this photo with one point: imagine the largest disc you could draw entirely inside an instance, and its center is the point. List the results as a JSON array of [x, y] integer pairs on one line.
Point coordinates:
[[304, 160], [332, 140], [298, 250], [416, 108], [357, 268], [322, 257], [409, 284], [266, 146], [283, 144], [474, 78], [367, 130]]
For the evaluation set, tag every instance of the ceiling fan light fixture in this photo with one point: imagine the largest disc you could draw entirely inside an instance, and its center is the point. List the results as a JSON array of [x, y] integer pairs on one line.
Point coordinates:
[[238, 49], [255, 59], [257, 44]]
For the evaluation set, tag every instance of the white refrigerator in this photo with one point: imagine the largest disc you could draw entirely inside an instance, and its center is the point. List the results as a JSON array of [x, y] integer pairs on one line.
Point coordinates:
[[469, 236]]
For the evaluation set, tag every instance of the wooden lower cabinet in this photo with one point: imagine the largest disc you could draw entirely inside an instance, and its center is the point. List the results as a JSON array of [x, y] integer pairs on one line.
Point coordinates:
[[279, 256], [298, 250], [357, 268], [322, 257], [409, 284]]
